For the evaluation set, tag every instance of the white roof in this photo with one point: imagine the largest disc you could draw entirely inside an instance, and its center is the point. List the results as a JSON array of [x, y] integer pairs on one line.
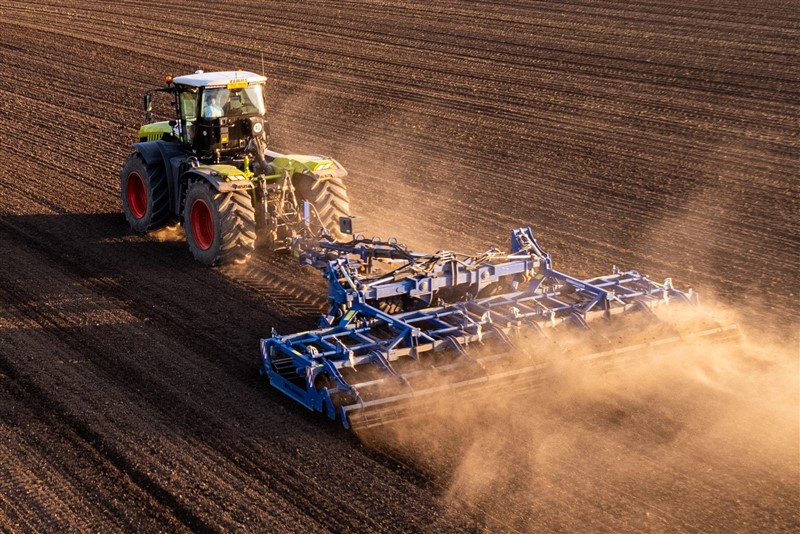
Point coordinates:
[[217, 79]]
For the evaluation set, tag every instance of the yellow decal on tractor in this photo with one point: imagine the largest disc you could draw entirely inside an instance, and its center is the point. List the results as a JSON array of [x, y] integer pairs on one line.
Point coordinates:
[[237, 84]]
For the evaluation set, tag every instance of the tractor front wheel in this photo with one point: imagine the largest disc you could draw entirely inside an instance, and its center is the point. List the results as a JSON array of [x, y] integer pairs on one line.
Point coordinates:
[[145, 198], [220, 227]]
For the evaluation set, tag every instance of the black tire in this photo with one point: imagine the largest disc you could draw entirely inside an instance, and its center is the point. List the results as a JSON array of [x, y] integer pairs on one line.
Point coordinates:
[[144, 194], [330, 199], [220, 227]]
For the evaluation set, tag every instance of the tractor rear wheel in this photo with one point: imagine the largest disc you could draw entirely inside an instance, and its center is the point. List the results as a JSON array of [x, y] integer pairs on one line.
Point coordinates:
[[329, 197], [145, 198], [220, 227]]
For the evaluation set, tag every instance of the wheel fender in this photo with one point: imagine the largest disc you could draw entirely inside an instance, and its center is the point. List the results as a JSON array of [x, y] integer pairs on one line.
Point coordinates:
[[215, 179], [157, 152], [337, 171], [315, 166], [160, 153]]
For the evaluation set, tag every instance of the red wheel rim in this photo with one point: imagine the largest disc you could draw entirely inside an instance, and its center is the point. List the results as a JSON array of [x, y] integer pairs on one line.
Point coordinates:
[[202, 224], [137, 195]]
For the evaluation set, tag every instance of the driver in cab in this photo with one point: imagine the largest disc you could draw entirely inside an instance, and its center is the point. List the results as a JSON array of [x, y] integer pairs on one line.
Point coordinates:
[[212, 110]]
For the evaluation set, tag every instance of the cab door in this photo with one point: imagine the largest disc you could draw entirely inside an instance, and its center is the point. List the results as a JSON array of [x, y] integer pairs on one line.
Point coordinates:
[[188, 110]]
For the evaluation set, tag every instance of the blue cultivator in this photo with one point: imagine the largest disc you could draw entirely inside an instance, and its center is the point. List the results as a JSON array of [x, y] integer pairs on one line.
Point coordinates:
[[404, 327]]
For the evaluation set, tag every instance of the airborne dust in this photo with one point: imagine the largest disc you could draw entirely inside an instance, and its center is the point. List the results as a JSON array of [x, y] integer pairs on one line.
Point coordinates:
[[700, 435]]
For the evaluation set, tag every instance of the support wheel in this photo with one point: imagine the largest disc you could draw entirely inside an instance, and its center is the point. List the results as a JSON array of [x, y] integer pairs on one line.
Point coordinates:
[[330, 198], [220, 227], [144, 193]]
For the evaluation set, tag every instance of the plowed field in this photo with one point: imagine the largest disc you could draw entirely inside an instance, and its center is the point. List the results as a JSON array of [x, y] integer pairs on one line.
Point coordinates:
[[657, 135]]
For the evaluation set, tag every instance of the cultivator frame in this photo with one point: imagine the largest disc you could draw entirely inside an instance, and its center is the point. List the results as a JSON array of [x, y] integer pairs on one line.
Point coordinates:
[[371, 364]]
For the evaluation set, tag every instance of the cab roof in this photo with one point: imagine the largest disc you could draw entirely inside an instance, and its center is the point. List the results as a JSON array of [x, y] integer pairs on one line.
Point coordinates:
[[218, 79]]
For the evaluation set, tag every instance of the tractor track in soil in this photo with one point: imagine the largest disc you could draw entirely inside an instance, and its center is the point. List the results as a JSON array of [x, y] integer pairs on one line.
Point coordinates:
[[638, 133]]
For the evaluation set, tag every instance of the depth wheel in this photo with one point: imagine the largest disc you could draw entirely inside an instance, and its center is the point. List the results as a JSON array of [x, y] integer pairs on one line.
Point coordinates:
[[220, 227], [330, 199], [144, 194]]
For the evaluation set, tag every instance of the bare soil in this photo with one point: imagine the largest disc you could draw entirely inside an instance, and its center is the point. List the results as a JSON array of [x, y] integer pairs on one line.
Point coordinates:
[[653, 135]]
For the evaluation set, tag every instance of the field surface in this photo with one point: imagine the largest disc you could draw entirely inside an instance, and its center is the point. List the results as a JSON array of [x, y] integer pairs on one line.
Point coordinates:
[[656, 135]]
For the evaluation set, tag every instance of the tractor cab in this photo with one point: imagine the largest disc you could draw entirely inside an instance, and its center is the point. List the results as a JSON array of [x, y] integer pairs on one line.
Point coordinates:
[[218, 113]]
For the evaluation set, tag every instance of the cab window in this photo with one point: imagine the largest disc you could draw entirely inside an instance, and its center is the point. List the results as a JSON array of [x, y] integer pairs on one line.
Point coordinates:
[[189, 105], [213, 101], [224, 102], [189, 111]]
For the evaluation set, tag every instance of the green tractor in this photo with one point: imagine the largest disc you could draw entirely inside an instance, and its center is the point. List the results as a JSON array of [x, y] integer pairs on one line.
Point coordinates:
[[210, 170]]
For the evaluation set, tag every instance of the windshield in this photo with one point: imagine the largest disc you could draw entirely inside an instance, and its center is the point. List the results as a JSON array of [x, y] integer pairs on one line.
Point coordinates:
[[221, 101]]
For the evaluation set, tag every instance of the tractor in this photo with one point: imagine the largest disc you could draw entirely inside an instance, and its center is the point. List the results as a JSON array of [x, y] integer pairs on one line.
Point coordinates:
[[209, 170]]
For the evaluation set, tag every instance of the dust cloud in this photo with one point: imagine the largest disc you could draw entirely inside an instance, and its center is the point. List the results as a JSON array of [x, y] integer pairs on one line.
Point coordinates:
[[172, 232], [414, 197], [702, 434]]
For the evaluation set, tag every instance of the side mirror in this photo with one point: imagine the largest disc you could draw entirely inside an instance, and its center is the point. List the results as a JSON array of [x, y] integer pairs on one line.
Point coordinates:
[[148, 106]]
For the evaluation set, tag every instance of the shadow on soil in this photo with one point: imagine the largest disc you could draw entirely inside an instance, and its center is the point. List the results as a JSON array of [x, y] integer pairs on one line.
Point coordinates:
[[167, 298]]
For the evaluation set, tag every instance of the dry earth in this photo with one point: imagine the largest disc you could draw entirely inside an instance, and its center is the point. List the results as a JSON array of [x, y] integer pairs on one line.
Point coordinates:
[[654, 135]]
